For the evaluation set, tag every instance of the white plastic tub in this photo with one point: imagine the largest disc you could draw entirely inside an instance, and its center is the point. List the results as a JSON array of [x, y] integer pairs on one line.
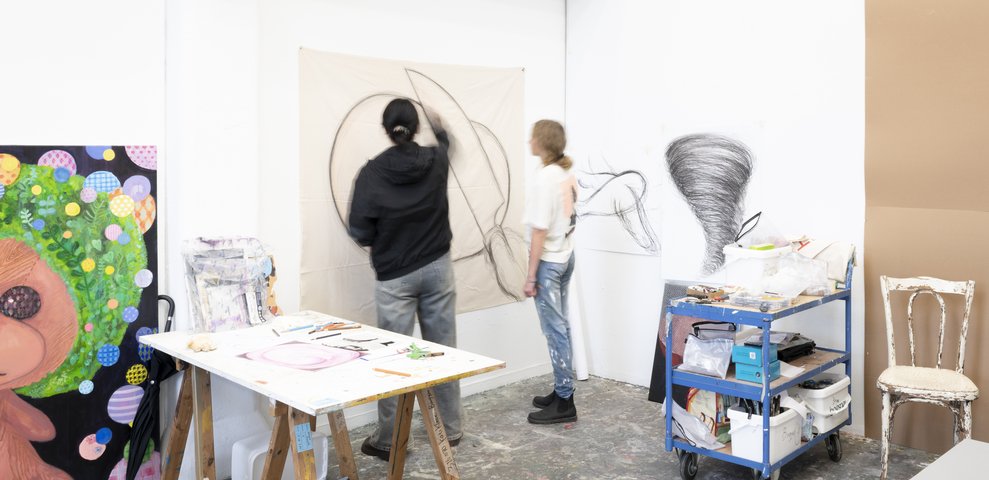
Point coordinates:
[[747, 268], [746, 434], [247, 459], [829, 405]]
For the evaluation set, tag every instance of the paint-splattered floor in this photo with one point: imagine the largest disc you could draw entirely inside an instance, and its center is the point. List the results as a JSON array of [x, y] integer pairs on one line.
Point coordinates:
[[618, 437]]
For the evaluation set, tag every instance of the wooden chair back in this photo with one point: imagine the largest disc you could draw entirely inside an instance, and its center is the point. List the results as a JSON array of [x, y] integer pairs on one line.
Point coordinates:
[[927, 286]]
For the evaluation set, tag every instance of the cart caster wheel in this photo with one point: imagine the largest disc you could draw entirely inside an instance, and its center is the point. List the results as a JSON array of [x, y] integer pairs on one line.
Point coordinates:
[[688, 465], [757, 475], [833, 443]]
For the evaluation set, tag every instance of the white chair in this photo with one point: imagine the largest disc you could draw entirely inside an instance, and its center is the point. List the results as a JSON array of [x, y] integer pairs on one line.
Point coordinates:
[[901, 383]]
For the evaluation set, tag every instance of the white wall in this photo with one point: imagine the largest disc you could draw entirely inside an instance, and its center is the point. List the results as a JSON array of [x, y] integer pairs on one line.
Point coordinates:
[[516, 33], [788, 74], [213, 169], [69, 79]]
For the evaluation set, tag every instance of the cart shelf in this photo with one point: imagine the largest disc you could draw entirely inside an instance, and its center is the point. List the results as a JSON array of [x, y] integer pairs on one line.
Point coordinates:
[[821, 360], [818, 362]]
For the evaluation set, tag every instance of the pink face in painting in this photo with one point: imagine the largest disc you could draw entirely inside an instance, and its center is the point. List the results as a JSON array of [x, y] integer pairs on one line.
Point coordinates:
[[37, 316], [37, 329]]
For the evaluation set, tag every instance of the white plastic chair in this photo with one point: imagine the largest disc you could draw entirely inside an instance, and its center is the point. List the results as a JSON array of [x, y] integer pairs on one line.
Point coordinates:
[[900, 383]]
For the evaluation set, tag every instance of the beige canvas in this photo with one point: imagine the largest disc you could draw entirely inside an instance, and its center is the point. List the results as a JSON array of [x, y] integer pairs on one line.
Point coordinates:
[[341, 99], [927, 109]]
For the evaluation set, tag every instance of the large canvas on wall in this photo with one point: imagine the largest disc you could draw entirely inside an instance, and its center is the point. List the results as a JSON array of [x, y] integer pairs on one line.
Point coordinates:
[[77, 287], [341, 101]]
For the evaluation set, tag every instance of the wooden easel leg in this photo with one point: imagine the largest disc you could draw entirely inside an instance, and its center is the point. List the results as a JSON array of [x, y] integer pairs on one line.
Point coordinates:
[[400, 439], [206, 460], [341, 443], [274, 463], [179, 431], [303, 458], [437, 435]]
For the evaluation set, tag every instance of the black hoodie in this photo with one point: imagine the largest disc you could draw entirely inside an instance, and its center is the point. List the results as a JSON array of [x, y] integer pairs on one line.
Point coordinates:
[[400, 207]]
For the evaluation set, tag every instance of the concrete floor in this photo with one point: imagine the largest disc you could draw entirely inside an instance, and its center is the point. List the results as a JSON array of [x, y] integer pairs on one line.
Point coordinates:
[[619, 436]]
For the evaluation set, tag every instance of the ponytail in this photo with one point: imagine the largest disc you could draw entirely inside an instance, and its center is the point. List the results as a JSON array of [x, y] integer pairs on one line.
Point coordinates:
[[401, 121]]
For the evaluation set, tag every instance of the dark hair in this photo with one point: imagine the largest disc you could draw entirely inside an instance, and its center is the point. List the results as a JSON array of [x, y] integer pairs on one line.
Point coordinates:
[[401, 120]]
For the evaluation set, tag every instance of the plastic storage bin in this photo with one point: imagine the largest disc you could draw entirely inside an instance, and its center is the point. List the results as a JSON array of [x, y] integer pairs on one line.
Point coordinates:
[[751, 355], [747, 267], [828, 405], [247, 459], [753, 373], [746, 434]]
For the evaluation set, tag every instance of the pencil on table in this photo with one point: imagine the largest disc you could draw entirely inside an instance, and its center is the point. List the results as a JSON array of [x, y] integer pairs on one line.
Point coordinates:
[[391, 372]]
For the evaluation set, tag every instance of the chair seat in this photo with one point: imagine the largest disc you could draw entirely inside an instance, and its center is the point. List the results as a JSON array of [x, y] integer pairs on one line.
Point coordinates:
[[932, 383]]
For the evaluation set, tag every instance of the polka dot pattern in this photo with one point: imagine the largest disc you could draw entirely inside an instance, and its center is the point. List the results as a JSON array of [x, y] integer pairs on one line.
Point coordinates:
[[122, 206]]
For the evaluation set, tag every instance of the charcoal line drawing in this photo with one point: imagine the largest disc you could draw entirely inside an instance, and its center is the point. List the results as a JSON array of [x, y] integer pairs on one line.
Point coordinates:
[[621, 195], [711, 172], [476, 155]]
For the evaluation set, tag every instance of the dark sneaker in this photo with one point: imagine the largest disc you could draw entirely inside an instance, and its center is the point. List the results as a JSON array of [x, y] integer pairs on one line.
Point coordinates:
[[543, 402], [372, 451], [560, 410], [454, 443]]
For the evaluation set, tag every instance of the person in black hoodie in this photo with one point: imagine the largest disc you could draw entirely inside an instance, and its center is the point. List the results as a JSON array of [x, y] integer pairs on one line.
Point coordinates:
[[400, 209]]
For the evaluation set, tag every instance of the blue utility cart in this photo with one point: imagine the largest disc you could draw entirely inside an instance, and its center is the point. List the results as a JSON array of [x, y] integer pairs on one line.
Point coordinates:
[[822, 360]]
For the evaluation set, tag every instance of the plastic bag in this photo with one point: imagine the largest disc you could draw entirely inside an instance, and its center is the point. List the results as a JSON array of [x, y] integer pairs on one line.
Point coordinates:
[[798, 274], [693, 430], [707, 356], [759, 231]]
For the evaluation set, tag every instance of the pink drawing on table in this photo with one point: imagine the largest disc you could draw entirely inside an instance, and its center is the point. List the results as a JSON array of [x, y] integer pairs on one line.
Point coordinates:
[[301, 355]]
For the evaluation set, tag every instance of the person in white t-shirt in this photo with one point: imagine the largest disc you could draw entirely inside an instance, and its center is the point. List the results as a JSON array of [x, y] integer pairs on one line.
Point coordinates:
[[551, 218]]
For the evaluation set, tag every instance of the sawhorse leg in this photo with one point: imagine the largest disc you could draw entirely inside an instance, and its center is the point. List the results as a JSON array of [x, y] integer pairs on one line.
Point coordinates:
[[278, 447], [205, 458], [400, 438], [274, 462], [434, 428], [179, 431], [341, 443], [194, 392], [437, 435], [303, 459]]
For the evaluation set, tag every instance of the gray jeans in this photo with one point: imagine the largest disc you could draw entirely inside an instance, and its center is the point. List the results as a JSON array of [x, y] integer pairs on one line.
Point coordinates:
[[428, 292]]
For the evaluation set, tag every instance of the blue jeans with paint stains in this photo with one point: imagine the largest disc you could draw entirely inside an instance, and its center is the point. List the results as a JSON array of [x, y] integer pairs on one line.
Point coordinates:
[[552, 284], [428, 292]]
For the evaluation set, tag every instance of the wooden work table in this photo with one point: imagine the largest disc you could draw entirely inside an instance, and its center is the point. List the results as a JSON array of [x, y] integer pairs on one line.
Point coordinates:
[[302, 394]]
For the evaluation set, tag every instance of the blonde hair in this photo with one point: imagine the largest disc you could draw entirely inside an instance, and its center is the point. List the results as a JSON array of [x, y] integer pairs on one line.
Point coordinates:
[[553, 140]]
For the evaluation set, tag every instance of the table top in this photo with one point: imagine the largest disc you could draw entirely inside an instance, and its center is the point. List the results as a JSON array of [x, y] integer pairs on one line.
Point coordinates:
[[964, 460], [284, 361]]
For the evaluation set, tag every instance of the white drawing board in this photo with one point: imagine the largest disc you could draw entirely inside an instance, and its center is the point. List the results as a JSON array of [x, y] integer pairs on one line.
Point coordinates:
[[319, 391]]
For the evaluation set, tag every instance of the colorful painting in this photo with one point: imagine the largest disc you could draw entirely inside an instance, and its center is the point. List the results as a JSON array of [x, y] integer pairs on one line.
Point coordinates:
[[77, 288]]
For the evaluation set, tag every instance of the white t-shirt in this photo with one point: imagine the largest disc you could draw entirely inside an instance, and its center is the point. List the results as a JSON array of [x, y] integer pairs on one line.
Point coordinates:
[[550, 207]]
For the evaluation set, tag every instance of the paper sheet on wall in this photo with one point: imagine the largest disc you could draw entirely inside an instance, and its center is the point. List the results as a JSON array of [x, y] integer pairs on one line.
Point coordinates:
[[618, 204], [341, 101]]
